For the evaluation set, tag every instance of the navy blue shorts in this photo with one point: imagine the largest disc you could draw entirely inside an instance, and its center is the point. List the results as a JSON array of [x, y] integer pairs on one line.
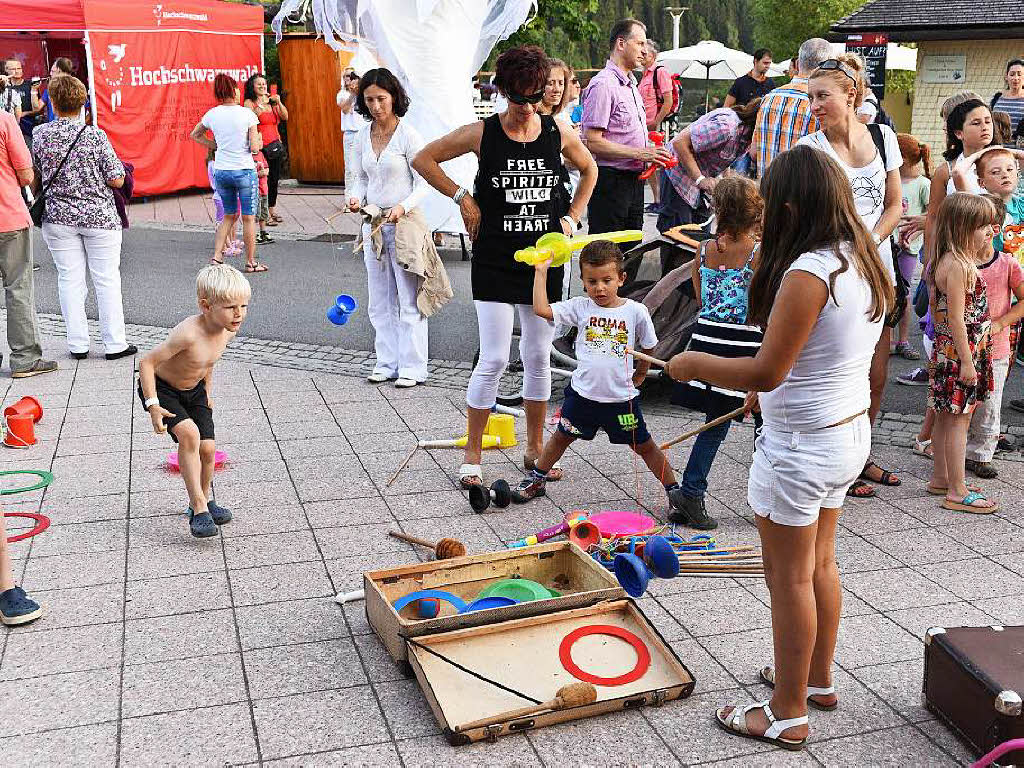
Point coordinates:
[[622, 422]]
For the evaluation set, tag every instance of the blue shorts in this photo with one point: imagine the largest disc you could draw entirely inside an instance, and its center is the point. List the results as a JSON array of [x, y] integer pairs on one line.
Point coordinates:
[[622, 422], [238, 189]]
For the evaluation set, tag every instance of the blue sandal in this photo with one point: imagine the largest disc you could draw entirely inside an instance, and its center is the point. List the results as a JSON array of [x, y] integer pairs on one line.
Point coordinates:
[[18, 608], [220, 514], [967, 504], [201, 525]]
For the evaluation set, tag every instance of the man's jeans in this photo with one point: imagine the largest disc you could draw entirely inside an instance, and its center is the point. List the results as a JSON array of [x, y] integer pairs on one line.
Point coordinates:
[[19, 296]]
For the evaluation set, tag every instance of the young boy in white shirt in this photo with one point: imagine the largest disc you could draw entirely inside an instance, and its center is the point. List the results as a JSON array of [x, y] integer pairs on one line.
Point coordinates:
[[603, 392]]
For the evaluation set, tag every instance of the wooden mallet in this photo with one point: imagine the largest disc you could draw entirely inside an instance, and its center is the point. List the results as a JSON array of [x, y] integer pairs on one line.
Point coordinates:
[[445, 549], [572, 695]]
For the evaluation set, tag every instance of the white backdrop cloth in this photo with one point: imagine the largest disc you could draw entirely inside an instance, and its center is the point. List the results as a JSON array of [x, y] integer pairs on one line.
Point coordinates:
[[434, 47]]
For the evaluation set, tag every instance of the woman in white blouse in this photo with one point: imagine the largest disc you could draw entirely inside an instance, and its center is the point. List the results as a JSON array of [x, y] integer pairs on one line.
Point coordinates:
[[382, 175]]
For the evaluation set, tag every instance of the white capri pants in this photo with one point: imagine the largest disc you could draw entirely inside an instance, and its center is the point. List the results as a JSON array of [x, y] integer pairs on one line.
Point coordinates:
[[400, 331], [495, 320], [795, 474], [983, 434], [348, 141], [75, 250]]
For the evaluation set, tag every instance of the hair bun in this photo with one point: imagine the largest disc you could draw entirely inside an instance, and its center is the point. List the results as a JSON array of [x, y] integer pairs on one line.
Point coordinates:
[[852, 60]]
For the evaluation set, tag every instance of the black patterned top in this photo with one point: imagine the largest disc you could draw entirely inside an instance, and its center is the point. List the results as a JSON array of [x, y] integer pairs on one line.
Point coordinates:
[[79, 196]]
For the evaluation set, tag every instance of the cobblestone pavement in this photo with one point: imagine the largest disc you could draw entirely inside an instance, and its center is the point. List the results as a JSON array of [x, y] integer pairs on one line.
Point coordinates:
[[160, 649]]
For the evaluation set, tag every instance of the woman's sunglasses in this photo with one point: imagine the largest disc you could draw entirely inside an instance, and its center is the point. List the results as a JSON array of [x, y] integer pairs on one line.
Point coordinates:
[[835, 64], [532, 98]]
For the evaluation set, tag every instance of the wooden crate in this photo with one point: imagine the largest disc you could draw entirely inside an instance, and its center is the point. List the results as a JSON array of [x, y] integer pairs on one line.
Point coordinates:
[[523, 654], [562, 566]]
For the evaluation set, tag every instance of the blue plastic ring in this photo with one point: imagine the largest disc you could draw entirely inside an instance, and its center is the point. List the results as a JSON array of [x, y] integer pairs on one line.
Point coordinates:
[[440, 594]]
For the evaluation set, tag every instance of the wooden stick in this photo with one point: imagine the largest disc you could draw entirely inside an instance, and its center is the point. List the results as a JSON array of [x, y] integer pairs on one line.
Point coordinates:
[[412, 539], [572, 695], [646, 358], [721, 550], [722, 558], [709, 425], [730, 567], [402, 466]]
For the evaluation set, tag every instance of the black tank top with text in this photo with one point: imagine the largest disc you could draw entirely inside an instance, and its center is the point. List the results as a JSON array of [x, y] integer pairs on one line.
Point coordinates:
[[517, 189]]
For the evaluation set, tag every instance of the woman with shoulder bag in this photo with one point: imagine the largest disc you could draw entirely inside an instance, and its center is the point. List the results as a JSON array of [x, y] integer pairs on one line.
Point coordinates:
[[270, 111], [77, 173]]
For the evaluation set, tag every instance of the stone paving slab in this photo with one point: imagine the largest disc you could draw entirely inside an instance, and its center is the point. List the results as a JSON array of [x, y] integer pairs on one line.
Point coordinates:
[[160, 649]]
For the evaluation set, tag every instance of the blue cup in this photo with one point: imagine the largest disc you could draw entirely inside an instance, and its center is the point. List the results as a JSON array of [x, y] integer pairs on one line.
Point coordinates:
[[343, 307]]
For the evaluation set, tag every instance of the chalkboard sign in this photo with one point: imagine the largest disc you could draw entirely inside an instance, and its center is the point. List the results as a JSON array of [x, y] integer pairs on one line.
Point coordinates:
[[873, 49]]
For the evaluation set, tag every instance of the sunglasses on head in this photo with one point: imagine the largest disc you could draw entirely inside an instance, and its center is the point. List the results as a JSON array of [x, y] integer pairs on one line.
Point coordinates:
[[531, 98], [836, 65]]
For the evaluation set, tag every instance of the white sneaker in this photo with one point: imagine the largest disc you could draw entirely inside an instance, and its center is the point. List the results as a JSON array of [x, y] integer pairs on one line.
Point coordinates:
[[377, 378], [405, 383]]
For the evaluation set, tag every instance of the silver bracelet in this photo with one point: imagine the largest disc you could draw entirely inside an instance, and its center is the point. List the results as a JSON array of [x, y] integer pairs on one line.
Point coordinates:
[[460, 193]]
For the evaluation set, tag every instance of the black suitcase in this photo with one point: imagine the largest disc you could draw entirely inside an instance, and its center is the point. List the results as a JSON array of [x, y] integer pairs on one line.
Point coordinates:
[[973, 680]]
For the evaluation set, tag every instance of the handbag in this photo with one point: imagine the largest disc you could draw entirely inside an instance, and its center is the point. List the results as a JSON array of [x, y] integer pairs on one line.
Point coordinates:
[[921, 299], [38, 208], [274, 150]]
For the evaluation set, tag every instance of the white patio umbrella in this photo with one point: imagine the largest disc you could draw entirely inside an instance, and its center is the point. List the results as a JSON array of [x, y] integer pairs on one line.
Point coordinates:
[[707, 60]]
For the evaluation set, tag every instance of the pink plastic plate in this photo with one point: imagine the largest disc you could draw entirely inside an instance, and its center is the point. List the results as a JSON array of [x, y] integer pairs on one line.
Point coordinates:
[[218, 460], [622, 523]]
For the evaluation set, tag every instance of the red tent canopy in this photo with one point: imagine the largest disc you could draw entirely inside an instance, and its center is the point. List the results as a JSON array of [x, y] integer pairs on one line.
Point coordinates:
[[151, 67], [49, 15]]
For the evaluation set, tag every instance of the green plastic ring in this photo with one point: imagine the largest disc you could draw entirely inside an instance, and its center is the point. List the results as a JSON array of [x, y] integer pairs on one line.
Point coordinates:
[[45, 478]]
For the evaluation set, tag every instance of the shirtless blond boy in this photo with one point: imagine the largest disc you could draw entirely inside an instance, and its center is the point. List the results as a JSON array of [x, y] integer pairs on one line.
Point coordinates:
[[175, 385]]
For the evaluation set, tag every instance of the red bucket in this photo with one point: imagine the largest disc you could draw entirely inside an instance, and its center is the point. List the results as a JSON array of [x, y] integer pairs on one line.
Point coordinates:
[[21, 431], [27, 404]]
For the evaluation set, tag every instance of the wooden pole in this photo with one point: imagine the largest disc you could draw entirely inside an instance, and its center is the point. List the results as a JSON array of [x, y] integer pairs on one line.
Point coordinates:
[[709, 425], [646, 358], [412, 539], [402, 466]]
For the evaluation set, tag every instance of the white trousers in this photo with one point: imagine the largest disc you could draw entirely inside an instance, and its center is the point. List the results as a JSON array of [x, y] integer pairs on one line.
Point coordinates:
[[400, 330], [76, 250], [348, 141], [983, 434], [495, 321]]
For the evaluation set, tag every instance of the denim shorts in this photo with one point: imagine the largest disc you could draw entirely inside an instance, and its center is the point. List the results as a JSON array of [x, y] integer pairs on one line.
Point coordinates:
[[238, 189]]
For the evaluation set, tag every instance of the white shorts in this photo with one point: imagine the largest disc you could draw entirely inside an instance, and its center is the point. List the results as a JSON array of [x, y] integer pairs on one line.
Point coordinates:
[[795, 474]]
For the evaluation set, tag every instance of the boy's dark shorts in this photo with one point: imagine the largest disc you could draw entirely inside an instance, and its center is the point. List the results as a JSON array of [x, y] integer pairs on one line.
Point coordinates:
[[184, 404], [622, 422]]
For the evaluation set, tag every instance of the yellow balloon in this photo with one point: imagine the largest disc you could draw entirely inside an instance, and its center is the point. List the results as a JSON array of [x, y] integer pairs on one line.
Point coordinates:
[[559, 248]]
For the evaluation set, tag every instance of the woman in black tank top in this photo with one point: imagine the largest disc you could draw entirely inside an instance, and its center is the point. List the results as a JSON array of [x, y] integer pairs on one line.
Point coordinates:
[[517, 197]]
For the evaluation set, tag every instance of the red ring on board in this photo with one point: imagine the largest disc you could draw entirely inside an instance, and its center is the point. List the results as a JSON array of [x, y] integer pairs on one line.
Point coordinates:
[[42, 523], [643, 656]]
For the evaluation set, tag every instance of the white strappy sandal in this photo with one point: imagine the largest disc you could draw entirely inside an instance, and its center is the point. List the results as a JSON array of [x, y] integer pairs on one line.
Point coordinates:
[[736, 723], [768, 678], [468, 472]]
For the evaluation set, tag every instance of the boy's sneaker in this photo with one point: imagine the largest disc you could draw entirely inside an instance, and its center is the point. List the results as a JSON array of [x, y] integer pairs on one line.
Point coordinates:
[[38, 367], [690, 511], [18, 608], [201, 525], [220, 514], [916, 378], [528, 488]]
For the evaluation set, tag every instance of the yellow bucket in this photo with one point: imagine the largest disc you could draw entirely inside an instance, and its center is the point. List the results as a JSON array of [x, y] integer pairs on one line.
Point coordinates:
[[502, 426]]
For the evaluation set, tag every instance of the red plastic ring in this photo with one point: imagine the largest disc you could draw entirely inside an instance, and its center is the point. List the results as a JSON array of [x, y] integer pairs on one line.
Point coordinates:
[[643, 656], [42, 523]]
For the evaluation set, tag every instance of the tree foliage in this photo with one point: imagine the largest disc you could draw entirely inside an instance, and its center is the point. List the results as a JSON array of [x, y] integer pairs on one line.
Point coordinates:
[[577, 30], [783, 24]]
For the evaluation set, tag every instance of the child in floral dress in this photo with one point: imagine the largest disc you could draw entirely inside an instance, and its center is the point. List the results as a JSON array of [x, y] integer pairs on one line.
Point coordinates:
[[960, 370]]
